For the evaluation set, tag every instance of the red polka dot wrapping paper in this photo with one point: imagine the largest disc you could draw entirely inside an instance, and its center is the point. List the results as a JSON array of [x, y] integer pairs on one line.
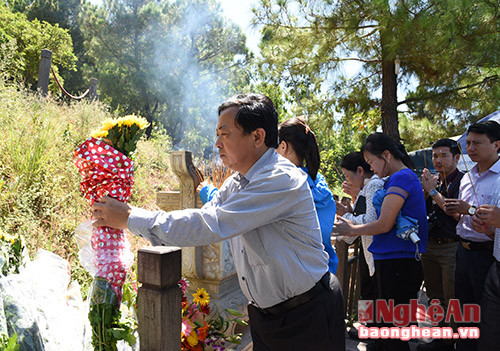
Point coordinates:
[[106, 171]]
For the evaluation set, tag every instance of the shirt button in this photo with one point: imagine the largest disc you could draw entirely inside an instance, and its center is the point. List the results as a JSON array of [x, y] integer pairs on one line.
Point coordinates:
[[242, 278]]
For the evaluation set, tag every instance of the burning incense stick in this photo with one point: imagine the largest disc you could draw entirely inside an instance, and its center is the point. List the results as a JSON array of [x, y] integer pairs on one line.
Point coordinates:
[[468, 173], [214, 174], [425, 158], [444, 174]]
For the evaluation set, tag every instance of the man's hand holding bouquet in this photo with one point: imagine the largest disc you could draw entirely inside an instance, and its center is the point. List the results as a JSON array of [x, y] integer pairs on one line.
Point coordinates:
[[105, 164]]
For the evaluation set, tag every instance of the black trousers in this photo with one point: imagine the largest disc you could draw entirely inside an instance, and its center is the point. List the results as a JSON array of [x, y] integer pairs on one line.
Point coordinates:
[[398, 279], [490, 311], [470, 275], [315, 325], [368, 284]]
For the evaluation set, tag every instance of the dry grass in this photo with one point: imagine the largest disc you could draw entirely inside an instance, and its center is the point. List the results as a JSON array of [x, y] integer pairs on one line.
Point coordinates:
[[39, 184]]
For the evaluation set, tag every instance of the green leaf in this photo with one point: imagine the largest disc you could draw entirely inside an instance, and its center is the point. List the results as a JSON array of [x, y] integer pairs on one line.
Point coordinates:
[[233, 312]]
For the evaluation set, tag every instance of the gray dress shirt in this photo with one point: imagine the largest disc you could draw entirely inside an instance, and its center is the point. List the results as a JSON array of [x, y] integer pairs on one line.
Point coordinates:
[[269, 216]]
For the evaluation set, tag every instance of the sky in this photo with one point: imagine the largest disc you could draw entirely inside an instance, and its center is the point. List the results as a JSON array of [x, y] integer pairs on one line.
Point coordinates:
[[239, 11]]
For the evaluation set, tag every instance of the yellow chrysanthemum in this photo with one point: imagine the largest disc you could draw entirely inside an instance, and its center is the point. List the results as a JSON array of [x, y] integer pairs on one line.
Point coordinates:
[[192, 339], [108, 123], [130, 120], [99, 134], [127, 121], [201, 297]]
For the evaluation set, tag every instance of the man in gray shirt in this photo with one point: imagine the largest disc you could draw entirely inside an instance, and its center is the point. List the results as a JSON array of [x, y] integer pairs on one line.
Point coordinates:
[[267, 210]]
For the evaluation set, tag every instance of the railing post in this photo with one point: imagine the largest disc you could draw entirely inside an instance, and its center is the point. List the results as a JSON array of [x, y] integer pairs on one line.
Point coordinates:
[[93, 90], [44, 71], [348, 273], [159, 298]]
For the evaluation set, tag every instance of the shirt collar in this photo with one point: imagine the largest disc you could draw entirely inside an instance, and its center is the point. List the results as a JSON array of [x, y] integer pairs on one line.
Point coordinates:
[[373, 177], [263, 160], [495, 168]]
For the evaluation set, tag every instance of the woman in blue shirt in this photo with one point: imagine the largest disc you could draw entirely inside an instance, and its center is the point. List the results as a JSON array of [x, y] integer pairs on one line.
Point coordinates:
[[399, 272], [298, 144]]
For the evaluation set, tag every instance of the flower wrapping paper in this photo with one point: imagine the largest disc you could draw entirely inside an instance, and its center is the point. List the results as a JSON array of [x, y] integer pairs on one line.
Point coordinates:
[[106, 171]]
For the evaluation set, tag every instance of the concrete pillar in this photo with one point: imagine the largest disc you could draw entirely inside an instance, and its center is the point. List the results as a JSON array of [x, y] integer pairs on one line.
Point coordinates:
[[44, 72]]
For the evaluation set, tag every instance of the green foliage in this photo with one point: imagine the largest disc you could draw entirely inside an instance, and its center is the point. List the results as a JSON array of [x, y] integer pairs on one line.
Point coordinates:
[[276, 94], [9, 344], [66, 14], [11, 253], [28, 38], [106, 327], [421, 133], [449, 54], [172, 62], [40, 198], [105, 318]]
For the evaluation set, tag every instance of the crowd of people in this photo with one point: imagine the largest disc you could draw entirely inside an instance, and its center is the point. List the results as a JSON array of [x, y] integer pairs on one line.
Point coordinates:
[[279, 213], [456, 248]]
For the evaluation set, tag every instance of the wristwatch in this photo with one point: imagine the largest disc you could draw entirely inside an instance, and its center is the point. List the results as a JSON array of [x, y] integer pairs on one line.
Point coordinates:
[[433, 192], [472, 210]]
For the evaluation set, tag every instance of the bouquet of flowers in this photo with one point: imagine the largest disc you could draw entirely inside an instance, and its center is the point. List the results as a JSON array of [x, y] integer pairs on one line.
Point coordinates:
[[12, 251], [198, 331], [105, 164]]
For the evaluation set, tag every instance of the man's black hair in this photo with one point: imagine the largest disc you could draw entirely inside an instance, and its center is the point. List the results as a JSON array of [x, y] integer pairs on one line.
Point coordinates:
[[449, 143], [489, 128], [255, 111]]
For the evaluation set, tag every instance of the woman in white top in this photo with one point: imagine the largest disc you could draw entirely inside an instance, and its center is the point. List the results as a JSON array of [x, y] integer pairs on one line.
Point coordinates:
[[359, 176]]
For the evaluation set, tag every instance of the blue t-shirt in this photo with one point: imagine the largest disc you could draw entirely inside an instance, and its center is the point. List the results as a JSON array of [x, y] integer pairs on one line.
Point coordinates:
[[388, 245], [325, 208]]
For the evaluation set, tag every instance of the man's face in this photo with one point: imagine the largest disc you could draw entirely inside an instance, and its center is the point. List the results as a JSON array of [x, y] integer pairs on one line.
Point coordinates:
[[480, 148], [236, 149], [443, 160]]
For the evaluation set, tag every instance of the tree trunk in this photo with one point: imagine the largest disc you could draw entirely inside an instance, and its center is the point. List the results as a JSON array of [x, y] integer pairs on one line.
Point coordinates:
[[389, 107]]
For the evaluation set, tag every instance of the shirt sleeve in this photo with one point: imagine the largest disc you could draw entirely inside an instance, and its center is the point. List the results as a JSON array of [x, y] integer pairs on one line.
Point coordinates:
[[371, 213], [261, 202], [401, 180]]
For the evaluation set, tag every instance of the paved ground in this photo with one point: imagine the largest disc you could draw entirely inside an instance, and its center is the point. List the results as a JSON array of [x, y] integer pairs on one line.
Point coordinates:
[[350, 345], [357, 345]]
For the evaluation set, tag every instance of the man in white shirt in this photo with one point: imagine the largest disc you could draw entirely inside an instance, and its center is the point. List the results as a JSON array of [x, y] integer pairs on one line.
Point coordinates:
[[487, 220], [475, 252], [266, 209]]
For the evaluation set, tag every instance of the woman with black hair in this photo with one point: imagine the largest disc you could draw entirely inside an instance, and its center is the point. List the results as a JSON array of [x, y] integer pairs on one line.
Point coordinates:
[[399, 273], [298, 144], [359, 176]]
